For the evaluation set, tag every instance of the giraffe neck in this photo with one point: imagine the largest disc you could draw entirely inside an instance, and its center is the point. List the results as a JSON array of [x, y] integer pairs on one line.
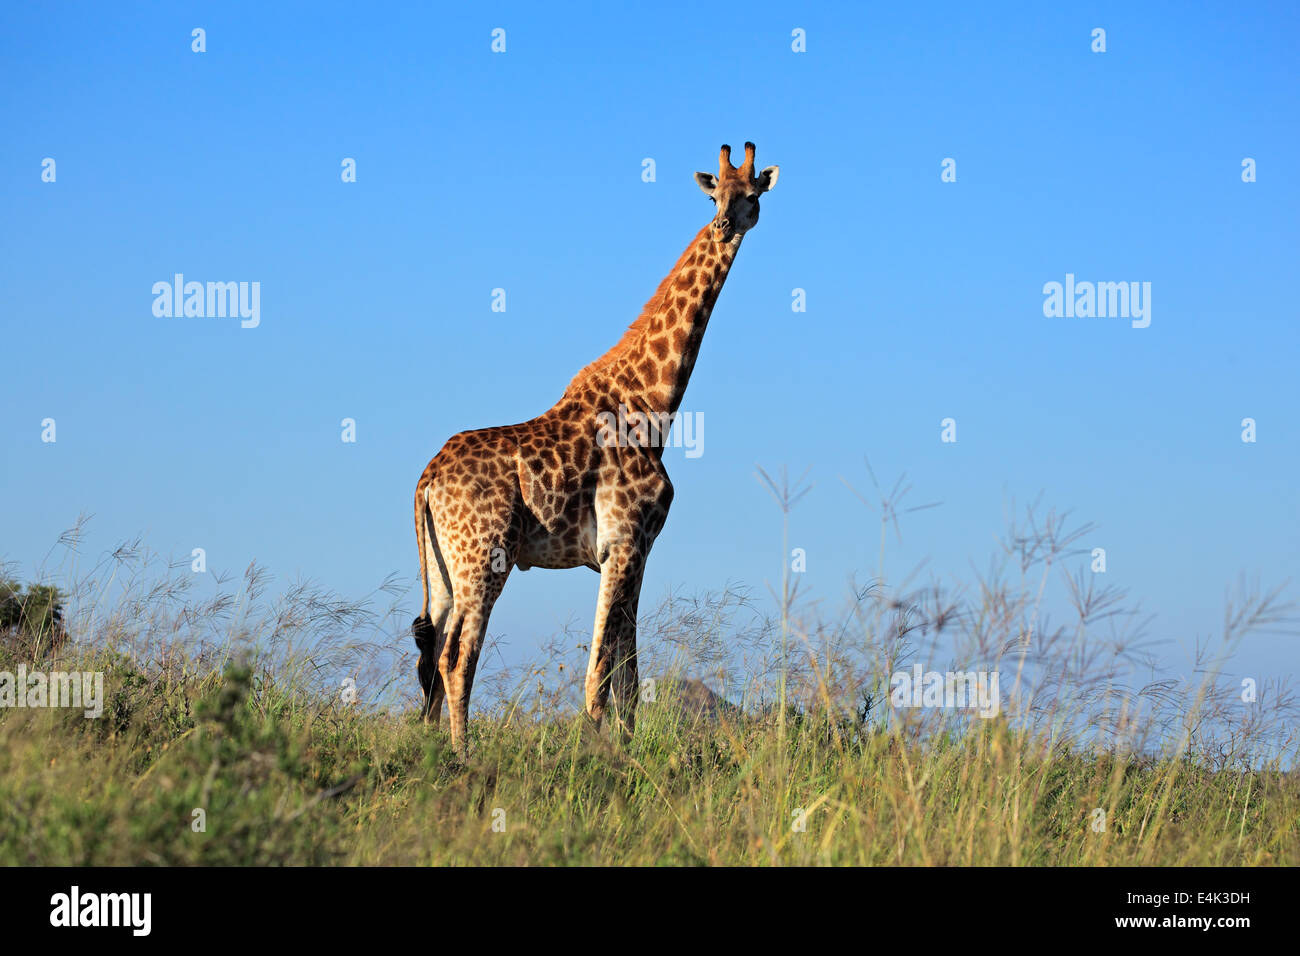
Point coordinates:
[[648, 370]]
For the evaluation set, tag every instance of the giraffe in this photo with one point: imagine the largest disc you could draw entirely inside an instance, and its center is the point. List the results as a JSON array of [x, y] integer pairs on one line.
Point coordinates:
[[567, 489]]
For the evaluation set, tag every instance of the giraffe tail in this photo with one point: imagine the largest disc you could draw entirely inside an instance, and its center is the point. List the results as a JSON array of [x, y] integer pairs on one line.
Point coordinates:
[[422, 628]]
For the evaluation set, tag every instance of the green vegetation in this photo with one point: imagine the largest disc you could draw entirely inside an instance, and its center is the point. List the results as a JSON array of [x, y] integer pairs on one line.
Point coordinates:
[[230, 734], [31, 619], [287, 778]]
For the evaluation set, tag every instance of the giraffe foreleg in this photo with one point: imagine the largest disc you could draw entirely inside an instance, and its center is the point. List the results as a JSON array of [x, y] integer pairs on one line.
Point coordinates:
[[613, 636], [626, 682]]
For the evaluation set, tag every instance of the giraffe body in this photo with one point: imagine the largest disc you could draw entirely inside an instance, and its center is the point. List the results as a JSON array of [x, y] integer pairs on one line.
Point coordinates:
[[567, 489]]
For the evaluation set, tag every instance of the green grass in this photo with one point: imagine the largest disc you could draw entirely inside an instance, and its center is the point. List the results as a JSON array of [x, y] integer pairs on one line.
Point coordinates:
[[223, 707], [285, 777]]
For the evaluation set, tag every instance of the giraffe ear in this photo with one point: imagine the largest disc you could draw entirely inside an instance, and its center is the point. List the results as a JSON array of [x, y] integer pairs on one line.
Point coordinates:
[[708, 182], [767, 178]]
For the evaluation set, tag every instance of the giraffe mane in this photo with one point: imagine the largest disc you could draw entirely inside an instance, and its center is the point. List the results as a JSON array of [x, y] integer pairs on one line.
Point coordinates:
[[636, 332]]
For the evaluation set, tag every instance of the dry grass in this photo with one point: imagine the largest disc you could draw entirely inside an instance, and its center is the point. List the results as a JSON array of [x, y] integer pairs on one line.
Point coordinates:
[[234, 704]]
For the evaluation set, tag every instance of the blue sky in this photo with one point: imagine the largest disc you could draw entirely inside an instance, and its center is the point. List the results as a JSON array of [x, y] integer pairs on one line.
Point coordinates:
[[522, 171]]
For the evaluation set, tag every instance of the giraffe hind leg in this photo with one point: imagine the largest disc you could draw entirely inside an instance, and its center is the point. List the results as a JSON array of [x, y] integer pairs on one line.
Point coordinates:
[[430, 628], [477, 576]]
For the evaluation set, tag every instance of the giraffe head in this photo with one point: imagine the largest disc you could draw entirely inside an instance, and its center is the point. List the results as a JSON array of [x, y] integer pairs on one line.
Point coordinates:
[[735, 192]]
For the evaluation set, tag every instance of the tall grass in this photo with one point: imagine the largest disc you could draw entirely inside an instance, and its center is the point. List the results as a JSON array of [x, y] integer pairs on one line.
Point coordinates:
[[231, 734]]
